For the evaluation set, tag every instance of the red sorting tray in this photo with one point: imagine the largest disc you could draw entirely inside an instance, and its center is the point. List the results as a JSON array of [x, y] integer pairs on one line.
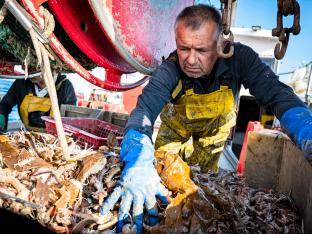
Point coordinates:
[[87, 131]]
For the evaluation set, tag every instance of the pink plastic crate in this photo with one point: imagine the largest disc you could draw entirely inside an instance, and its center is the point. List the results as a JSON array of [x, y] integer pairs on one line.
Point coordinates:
[[87, 131]]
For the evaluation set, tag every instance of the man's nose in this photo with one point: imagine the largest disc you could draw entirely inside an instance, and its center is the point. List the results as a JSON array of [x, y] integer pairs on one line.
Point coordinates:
[[192, 58]]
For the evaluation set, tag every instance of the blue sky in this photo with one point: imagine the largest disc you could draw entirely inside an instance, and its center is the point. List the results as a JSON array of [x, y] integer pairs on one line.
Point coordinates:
[[263, 12]]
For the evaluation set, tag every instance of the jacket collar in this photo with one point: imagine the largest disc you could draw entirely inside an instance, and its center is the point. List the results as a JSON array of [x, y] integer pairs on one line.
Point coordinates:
[[221, 66]]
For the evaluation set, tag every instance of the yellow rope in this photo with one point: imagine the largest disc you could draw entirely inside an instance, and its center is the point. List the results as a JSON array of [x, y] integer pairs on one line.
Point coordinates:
[[26, 62], [49, 23], [44, 63]]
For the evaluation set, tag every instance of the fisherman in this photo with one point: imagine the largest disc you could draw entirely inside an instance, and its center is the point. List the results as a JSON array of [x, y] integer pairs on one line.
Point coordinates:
[[195, 90], [32, 100]]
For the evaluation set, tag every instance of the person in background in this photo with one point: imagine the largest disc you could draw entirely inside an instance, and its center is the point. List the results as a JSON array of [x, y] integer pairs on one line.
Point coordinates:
[[32, 100]]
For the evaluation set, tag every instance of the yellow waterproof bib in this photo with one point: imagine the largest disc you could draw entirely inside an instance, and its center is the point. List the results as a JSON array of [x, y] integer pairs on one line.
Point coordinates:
[[208, 106], [33, 103], [201, 114]]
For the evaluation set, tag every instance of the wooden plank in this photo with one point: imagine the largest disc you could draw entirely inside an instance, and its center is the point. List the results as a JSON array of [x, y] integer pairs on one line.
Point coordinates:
[[263, 158]]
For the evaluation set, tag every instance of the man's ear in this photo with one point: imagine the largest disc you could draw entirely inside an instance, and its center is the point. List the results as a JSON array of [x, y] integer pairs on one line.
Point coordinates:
[[225, 49]]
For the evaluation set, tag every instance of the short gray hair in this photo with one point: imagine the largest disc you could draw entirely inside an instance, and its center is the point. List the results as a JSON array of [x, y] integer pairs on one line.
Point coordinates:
[[195, 16]]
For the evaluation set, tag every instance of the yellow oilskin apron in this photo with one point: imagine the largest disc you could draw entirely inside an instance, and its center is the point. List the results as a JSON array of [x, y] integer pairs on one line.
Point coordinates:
[[32, 103], [208, 118]]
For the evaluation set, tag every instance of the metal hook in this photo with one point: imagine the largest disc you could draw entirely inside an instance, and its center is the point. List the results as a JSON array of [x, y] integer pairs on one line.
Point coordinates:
[[281, 46], [222, 41]]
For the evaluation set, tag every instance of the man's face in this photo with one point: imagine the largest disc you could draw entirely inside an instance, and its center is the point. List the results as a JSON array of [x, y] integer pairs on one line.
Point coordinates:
[[38, 81], [197, 49]]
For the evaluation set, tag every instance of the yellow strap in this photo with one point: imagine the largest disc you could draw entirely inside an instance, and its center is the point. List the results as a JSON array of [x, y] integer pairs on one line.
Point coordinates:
[[177, 89], [189, 92], [58, 86], [224, 87]]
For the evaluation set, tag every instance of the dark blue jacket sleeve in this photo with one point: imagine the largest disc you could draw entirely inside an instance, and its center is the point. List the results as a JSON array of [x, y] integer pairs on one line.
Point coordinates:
[[263, 83], [155, 95], [9, 100]]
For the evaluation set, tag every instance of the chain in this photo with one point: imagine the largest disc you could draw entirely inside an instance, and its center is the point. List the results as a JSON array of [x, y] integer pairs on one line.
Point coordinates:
[[285, 8]]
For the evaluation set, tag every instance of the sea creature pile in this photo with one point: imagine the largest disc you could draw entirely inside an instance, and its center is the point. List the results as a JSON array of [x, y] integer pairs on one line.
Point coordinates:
[[36, 181], [65, 194]]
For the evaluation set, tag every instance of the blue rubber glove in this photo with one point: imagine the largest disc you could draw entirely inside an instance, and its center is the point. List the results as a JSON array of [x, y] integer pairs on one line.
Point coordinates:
[[298, 123], [139, 182], [2, 122]]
